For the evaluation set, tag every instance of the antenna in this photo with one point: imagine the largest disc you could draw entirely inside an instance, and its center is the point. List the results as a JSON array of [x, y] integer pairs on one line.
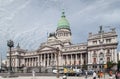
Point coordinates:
[[47, 36]]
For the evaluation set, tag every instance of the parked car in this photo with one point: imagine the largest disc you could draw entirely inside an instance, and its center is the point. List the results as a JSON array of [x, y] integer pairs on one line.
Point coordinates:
[[90, 72], [61, 71], [77, 72]]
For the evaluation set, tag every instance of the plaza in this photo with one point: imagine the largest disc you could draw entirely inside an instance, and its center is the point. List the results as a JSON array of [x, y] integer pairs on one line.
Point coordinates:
[[54, 77]]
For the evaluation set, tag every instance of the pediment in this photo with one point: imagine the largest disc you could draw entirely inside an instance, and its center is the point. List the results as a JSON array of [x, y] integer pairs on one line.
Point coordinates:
[[46, 48]]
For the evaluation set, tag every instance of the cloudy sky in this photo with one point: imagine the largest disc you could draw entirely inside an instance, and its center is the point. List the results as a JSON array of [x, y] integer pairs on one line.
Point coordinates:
[[28, 21]]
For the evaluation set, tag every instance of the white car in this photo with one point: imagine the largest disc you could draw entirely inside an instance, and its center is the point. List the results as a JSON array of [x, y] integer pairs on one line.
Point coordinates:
[[55, 71], [61, 71], [77, 71]]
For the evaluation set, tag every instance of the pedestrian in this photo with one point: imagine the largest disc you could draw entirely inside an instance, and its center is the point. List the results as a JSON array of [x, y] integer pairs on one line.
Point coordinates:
[[116, 74], [33, 73], [86, 74], [94, 75], [110, 75], [98, 74]]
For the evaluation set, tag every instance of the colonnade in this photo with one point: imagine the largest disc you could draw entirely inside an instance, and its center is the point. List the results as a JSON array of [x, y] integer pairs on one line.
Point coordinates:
[[50, 59], [75, 59]]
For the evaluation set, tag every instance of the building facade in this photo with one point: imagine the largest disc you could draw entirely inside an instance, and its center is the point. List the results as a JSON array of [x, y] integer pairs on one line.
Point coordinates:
[[59, 48]]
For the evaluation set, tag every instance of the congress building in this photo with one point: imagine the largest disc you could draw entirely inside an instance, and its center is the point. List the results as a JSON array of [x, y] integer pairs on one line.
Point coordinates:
[[96, 50]]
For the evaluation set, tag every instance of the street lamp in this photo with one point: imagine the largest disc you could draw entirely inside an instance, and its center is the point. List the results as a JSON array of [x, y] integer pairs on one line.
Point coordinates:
[[10, 44]]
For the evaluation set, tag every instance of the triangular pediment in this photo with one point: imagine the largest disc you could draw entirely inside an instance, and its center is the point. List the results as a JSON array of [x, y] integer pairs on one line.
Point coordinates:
[[46, 48]]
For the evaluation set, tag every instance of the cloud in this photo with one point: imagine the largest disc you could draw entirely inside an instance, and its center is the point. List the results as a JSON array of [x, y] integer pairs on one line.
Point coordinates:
[[28, 21]]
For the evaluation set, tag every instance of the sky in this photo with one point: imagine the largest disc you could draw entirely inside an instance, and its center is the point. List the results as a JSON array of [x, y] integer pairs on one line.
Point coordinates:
[[27, 22]]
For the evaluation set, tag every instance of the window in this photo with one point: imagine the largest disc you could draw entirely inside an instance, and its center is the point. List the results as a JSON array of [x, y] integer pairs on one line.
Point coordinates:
[[108, 59], [94, 60], [94, 42], [108, 40]]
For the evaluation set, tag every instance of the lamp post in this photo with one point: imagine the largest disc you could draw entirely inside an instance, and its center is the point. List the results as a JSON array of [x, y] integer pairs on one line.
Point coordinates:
[[10, 44]]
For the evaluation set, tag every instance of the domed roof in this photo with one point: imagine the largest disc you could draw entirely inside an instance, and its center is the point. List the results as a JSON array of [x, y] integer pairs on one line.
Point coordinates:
[[63, 22]]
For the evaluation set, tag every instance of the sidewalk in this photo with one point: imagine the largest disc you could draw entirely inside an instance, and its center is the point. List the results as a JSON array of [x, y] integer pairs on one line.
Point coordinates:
[[52, 77]]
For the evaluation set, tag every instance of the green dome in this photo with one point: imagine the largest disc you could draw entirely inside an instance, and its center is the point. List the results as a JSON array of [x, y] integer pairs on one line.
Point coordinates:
[[63, 23]]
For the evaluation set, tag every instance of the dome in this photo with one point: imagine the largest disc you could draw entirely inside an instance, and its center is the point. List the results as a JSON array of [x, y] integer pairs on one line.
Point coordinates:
[[63, 22]]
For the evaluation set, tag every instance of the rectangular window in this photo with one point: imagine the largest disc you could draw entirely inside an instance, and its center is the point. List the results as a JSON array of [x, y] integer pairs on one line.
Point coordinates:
[[108, 40], [94, 42]]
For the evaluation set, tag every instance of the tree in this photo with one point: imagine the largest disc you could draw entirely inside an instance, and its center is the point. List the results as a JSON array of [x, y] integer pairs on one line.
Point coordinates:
[[118, 66], [109, 64], [84, 66]]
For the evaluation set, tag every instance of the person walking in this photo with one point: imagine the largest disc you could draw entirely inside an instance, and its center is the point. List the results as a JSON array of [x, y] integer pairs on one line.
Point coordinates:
[[98, 74], [33, 73], [94, 75], [86, 74], [118, 75]]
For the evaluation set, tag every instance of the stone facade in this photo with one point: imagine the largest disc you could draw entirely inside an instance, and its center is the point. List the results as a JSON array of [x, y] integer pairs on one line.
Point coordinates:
[[59, 46]]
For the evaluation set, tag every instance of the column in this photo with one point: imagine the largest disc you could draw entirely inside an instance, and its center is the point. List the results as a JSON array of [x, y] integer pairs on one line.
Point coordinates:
[[86, 59], [115, 55], [76, 62], [97, 57], [28, 61], [51, 61], [48, 59], [41, 62], [104, 56], [111, 51], [32, 62], [81, 59], [71, 59], [55, 60], [38, 60], [67, 59], [44, 59]]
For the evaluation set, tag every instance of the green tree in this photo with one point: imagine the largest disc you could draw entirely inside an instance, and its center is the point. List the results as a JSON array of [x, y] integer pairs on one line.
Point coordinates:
[[118, 66], [109, 64], [84, 66]]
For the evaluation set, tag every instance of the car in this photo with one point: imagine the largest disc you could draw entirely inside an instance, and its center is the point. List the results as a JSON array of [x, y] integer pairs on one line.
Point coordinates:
[[77, 72], [54, 71], [90, 72], [61, 71]]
